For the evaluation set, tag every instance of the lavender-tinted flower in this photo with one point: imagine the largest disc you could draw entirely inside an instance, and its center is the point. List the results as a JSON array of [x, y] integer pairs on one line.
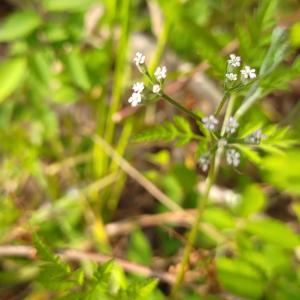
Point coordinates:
[[210, 122], [231, 125], [233, 157]]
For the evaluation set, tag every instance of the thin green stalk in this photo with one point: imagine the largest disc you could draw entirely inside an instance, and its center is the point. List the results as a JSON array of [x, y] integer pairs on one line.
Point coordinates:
[[161, 44], [119, 77], [248, 103], [229, 110], [213, 173], [180, 107], [221, 104]]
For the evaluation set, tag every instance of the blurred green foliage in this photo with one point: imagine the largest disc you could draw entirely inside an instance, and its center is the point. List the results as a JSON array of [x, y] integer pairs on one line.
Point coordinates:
[[64, 73]]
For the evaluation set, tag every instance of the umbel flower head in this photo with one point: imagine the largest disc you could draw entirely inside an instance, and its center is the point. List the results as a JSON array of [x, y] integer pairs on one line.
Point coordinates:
[[204, 162], [231, 76], [233, 157], [231, 125], [255, 137], [247, 72], [138, 87], [139, 59], [156, 88], [135, 99], [160, 73], [210, 122], [234, 61]]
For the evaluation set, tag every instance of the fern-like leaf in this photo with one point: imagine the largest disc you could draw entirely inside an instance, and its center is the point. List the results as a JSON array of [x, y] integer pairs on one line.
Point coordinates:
[[179, 130]]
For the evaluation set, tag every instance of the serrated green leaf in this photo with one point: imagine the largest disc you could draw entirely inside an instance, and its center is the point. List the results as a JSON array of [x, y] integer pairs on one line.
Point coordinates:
[[11, 74], [179, 131], [253, 201], [249, 153], [48, 256], [19, 25], [142, 289], [275, 232]]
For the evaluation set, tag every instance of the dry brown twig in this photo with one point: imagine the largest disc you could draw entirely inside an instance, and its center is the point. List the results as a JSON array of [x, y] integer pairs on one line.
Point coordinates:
[[77, 255]]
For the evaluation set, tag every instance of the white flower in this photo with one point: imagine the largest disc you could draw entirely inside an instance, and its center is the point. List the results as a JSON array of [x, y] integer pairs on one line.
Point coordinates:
[[156, 88], [139, 58], [255, 137], [210, 122], [234, 61], [204, 162], [135, 99], [247, 72], [233, 157], [160, 73], [231, 76], [231, 125], [138, 87]]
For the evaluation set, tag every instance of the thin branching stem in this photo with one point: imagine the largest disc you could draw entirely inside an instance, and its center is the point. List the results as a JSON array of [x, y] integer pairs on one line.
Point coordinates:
[[182, 108], [213, 173]]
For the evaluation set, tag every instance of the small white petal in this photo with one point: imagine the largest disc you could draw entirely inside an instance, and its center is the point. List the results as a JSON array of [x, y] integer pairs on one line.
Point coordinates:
[[138, 87], [160, 73], [135, 99], [233, 157], [234, 61], [210, 122], [231, 125], [156, 88], [231, 76], [247, 72], [139, 59]]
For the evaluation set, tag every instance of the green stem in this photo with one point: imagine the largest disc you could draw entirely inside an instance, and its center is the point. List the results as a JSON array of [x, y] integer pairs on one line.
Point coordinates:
[[120, 69], [213, 171], [221, 104], [179, 106]]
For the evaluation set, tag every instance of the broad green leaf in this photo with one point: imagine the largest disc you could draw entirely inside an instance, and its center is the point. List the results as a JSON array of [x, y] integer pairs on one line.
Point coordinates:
[[19, 25], [273, 231], [240, 278], [12, 72], [77, 69], [218, 217], [139, 249], [161, 158], [67, 5], [253, 201], [295, 35], [283, 171]]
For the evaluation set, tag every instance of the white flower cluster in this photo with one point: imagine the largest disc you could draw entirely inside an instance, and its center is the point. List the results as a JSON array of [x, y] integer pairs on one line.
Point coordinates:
[[136, 97], [204, 162], [156, 88], [233, 157], [160, 74], [139, 59], [255, 137], [231, 125], [235, 62], [210, 122]]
